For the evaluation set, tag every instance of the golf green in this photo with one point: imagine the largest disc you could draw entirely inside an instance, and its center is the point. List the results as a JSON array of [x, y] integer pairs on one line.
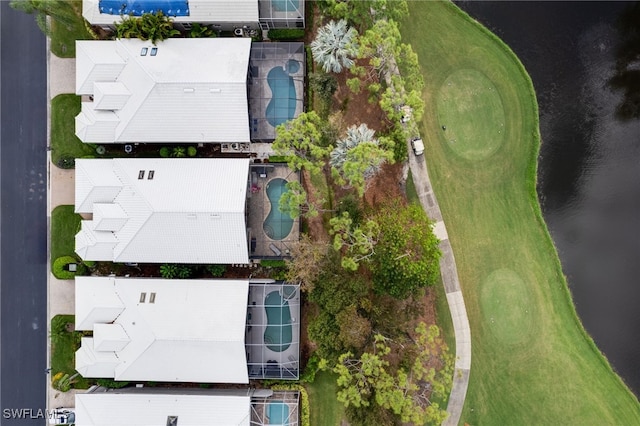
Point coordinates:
[[506, 306], [470, 114]]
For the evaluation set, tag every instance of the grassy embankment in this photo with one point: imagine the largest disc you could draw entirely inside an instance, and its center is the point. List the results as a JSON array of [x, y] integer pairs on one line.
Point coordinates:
[[533, 363]]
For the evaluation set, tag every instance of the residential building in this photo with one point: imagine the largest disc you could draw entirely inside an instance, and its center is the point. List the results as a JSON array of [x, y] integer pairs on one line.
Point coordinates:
[[222, 15], [203, 331], [178, 91], [186, 407], [162, 210]]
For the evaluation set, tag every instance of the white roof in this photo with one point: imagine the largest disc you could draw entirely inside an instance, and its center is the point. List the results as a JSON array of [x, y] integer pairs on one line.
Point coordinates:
[[192, 90], [109, 409], [190, 211], [168, 331], [203, 11]]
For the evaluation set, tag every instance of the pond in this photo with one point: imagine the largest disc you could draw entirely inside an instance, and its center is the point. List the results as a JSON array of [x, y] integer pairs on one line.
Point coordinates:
[[589, 173]]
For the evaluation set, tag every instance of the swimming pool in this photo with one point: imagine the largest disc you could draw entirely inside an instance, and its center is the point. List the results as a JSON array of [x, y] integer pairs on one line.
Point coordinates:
[[282, 106], [278, 333], [139, 7], [278, 413], [285, 5], [277, 225]]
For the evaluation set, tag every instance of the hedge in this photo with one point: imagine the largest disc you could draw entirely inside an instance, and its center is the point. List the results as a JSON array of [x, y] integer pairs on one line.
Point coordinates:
[[305, 419], [273, 263], [58, 267], [286, 34]]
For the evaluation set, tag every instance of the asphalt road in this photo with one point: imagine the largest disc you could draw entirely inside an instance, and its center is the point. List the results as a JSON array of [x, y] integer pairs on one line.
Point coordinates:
[[23, 219]]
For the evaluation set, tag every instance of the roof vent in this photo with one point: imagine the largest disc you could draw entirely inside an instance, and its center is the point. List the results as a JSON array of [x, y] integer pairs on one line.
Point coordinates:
[[189, 90]]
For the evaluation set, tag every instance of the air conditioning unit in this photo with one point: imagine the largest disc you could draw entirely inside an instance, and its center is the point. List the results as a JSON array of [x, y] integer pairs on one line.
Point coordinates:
[[235, 146], [239, 32]]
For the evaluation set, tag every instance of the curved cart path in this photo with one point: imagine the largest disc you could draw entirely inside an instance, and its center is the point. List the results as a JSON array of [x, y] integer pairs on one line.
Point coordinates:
[[449, 275]]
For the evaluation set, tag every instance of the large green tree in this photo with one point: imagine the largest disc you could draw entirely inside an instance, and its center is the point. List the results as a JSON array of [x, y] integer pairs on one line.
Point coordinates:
[[356, 242], [406, 392], [363, 13], [300, 141], [407, 254]]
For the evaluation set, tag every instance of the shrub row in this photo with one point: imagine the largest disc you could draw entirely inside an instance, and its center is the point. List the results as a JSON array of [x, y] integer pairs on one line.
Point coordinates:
[[286, 34]]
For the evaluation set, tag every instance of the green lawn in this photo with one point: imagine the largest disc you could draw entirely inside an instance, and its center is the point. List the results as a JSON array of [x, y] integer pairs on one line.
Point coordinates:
[[64, 142], [63, 37], [64, 226], [63, 349], [325, 408], [532, 361]]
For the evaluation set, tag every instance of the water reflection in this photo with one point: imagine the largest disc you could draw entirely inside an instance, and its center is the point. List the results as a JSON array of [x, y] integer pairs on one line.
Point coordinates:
[[627, 76]]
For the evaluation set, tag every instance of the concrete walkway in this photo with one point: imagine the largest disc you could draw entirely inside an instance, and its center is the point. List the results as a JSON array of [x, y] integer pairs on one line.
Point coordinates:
[[61, 77], [449, 274]]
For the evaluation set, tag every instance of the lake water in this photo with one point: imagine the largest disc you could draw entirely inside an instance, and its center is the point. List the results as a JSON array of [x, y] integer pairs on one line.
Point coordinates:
[[589, 165]]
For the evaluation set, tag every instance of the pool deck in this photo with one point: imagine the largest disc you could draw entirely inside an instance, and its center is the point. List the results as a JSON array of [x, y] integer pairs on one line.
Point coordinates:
[[259, 207], [257, 350], [260, 95]]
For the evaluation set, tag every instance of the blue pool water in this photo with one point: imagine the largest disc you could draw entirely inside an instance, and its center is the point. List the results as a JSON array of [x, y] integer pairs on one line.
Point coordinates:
[[139, 7], [278, 413], [277, 225], [278, 333], [282, 106], [285, 5]]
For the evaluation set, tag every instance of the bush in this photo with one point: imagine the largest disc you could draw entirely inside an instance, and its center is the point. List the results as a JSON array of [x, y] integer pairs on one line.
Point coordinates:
[[172, 270], [278, 159], [111, 384], [192, 151], [311, 369], [66, 162], [350, 204], [59, 270], [216, 270], [164, 152], [286, 34], [178, 151], [89, 263], [273, 263]]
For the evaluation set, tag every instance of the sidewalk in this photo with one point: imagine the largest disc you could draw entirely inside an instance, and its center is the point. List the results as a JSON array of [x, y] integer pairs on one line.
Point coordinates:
[[60, 191], [449, 274]]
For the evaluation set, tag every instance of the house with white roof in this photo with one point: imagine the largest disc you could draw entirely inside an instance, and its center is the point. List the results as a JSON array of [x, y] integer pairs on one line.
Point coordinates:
[[224, 15], [179, 91], [186, 407], [204, 331], [162, 210]]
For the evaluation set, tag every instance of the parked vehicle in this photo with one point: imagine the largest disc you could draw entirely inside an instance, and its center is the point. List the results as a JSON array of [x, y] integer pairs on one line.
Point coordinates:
[[417, 145]]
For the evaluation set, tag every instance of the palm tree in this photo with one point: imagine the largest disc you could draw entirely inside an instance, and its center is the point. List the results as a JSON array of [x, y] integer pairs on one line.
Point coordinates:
[[355, 136], [61, 11], [150, 26], [334, 46]]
